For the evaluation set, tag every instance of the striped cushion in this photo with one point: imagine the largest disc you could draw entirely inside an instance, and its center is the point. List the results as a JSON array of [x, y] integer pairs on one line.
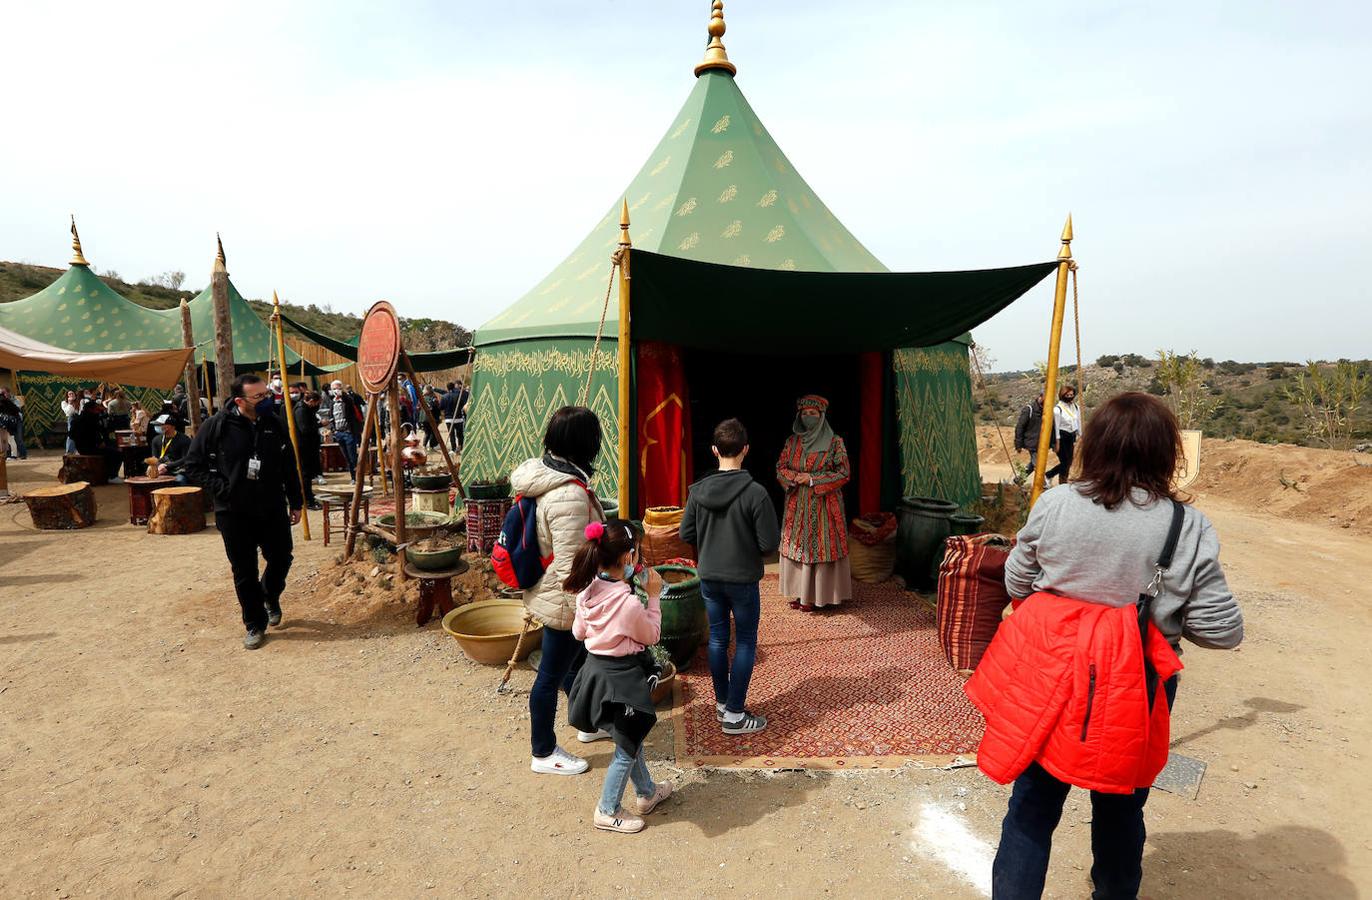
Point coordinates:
[[971, 596]]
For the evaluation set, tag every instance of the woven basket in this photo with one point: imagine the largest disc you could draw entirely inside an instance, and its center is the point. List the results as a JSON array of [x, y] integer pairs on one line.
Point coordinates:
[[872, 548], [661, 536]]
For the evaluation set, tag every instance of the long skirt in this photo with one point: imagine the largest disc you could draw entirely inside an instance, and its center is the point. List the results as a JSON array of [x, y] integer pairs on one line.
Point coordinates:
[[817, 584]]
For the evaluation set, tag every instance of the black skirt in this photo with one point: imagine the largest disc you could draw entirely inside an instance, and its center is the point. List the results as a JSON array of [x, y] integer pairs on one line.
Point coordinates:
[[611, 694]]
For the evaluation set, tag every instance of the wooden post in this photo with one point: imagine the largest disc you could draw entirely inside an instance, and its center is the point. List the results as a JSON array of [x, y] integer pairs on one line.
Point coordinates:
[[374, 415], [397, 465], [209, 389], [625, 364], [433, 423], [290, 413], [359, 474], [1054, 345], [223, 323], [192, 389]]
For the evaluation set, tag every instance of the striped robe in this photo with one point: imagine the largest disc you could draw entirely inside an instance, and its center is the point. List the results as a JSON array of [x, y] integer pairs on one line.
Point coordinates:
[[814, 529]]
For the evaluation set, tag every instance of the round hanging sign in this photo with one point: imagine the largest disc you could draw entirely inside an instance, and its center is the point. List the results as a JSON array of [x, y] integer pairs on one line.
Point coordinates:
[[378, 348]]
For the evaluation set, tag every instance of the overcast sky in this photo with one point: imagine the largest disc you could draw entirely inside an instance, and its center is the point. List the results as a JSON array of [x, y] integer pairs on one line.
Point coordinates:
[[445, 156]]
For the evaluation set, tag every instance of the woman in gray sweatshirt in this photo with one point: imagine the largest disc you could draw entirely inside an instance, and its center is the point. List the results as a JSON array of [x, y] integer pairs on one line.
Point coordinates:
[[1098, 540]]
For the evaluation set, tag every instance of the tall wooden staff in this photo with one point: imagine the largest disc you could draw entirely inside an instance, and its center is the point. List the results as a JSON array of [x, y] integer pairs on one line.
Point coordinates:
[[192, 388], [625, 364], [1054, 345], [223, 323], [290, 414]]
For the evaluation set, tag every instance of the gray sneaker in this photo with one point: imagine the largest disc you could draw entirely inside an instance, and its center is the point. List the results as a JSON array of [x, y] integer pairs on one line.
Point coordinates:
[[254, 639], [749, 724], [273, 612]]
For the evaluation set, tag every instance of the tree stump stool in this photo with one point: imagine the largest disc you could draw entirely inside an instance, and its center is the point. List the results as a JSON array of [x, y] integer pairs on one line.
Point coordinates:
[[62, 506], [435, 590], [140, 495], [177, 510], [83, 467]]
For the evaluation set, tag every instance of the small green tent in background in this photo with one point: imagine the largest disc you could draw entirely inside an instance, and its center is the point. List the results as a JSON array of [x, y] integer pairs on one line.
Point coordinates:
[[718, 189]]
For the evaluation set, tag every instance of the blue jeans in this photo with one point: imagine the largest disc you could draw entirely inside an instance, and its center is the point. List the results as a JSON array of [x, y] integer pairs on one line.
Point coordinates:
[[618, 773], [1026, 836], [347, 442], [562, 659], [723, 599], [71, 444], [19, 447]]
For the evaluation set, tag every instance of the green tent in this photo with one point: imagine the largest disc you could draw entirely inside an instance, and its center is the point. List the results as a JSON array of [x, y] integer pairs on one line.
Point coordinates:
[[762, 295]]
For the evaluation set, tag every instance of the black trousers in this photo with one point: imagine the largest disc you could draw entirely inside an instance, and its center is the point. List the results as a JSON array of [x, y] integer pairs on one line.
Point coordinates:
[[1067, 442], [244, 534]]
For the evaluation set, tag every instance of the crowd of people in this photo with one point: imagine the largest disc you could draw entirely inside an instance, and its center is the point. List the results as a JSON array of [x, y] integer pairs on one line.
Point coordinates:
[[1086, 561], [1107, 576]]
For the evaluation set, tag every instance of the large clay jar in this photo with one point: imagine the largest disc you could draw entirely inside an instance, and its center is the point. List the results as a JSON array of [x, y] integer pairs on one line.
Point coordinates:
[[684, 624], [922, 528]]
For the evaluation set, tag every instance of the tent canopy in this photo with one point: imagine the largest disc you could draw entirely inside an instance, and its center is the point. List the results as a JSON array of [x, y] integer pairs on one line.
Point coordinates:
[[758, 310], [141, 368], [433, 361], [79, 312]]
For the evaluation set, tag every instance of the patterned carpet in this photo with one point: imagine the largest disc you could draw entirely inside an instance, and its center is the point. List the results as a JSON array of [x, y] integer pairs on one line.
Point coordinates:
[[864, 686]]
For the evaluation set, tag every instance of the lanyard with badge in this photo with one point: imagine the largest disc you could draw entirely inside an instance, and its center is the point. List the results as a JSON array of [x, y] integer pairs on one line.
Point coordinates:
[[254, 462]]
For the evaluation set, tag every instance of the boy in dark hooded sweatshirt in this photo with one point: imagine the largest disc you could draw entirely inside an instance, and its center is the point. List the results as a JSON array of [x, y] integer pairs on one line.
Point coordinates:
[[731, 521]]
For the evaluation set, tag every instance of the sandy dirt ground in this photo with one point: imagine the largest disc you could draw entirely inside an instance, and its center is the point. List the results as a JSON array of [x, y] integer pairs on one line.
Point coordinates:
[[144, 752]]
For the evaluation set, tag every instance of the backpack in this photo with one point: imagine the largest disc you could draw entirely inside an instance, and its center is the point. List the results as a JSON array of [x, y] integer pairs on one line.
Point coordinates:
[[516, 557]]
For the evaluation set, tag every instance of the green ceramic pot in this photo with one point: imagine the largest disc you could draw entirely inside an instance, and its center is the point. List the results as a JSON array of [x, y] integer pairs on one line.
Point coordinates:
[[684, 625]]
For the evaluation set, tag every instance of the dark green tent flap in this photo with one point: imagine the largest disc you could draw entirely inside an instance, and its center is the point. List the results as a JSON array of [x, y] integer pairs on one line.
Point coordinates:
[[712, 306], [433, 361]]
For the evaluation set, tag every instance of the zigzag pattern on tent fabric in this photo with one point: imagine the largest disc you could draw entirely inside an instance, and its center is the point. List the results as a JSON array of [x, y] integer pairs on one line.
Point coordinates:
[[511, 403], [43, 400], [937, 431]]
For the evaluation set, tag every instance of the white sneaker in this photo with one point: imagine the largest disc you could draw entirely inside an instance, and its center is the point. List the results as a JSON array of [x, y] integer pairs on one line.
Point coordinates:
[[559, 762], [590, 737]]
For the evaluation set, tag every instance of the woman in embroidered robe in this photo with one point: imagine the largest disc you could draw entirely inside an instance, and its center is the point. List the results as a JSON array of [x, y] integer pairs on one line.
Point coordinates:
[[814, 536]]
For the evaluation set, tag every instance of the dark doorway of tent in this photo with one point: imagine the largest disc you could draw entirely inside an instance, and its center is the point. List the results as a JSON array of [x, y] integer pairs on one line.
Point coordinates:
[[761, 392]]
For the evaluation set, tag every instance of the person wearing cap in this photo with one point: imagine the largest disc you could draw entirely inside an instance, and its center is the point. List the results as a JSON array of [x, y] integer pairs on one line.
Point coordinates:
[[813, 469], [170, 447]]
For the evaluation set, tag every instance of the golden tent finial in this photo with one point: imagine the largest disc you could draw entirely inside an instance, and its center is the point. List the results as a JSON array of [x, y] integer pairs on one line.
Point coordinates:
[[715, 55], [220, 263], [624, 224], [1066, 251], [76, 258]]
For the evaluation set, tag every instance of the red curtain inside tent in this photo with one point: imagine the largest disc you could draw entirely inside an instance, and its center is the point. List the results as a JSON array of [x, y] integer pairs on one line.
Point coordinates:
[[664, 426], [870, 371]]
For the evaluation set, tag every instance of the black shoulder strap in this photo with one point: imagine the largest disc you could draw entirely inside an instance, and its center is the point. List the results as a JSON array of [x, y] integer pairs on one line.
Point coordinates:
[[1173, 535]]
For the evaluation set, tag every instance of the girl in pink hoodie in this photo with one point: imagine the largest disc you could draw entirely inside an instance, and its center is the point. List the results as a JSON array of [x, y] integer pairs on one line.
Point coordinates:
[[612, 692]]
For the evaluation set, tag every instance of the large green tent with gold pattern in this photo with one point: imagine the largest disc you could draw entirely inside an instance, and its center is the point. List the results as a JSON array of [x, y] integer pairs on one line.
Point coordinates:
[[745, 292], [81, 313]]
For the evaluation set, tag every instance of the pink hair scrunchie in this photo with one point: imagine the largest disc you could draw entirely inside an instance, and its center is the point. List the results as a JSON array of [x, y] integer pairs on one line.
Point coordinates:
[[595, 531]]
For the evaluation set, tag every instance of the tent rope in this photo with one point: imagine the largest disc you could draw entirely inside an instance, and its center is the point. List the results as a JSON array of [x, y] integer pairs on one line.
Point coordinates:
[[585, 397], [1000, 432]]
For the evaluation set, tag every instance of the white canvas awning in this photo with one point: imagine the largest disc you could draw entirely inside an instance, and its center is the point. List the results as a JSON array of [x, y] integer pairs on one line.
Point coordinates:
[[140, 368]]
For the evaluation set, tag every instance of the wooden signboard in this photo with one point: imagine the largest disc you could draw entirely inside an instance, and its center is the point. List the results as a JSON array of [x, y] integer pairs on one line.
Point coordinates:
[[378, 348]]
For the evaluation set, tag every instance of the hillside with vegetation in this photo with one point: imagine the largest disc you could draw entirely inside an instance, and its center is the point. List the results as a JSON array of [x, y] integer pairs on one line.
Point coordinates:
[[20, 280], [1314, 404]]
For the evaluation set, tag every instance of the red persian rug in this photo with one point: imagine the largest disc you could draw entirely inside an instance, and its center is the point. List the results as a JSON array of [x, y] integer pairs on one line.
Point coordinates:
[[865, 685]]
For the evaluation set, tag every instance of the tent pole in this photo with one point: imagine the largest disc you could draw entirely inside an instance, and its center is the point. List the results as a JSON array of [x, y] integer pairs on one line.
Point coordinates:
[[397, 479], [192, 389], [209, 390], [1054, 345], [223, 323], [625, 359], [290, 414]]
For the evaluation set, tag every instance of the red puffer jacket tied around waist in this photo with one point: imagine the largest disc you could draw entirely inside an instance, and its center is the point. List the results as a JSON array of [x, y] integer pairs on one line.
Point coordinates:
[[1062, 685]]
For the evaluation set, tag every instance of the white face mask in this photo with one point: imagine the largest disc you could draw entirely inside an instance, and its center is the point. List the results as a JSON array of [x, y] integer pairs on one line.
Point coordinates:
[[337, 392], [276, 384]]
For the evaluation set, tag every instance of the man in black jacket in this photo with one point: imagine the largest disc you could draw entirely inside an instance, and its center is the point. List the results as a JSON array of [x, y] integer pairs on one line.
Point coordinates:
[[170, 447], [1027, 434], [243, 457], [305, 408]]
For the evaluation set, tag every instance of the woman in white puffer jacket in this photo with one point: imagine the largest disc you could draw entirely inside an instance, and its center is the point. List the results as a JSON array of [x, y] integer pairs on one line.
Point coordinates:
[[558, 482]]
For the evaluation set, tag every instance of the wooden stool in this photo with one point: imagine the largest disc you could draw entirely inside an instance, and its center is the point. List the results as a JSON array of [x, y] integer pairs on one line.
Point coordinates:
[[140, 495], [177, 510], [435, 589], [62, 506], [89, 468], [343, 502], [431, 501], [331, 458]]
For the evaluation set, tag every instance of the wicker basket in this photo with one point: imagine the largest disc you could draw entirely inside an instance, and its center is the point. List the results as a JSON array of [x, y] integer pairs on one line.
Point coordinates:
[[872, 547], [662, 536]]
